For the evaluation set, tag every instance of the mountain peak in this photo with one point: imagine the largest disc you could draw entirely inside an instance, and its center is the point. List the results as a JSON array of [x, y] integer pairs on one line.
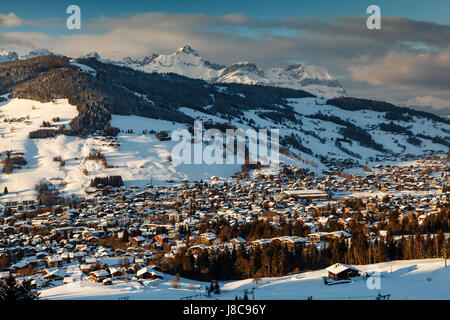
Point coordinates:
[[187, 50], [37, 53], [140, 61], [293, 67], [6, 55], [93, 54], [243, 66]]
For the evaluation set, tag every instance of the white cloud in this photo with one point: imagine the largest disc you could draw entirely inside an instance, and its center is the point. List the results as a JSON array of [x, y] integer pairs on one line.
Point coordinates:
[[404, 69], [428, 101], [359, 58], [10, 20]]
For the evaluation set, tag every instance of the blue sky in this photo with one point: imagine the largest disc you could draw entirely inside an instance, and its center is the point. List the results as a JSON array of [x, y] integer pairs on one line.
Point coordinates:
[[431, 10], [408, 58]]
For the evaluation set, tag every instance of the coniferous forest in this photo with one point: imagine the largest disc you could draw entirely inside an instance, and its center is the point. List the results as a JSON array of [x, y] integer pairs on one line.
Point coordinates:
[[404, 241]]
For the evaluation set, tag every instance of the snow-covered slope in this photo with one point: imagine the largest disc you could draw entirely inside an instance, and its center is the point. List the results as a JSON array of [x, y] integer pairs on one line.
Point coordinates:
[[91, 55], [141, 158], [187, 62], [184, 61], [6, 56], [37, 53], [19, 117], [243, 72], [404, 280], [313, 79]]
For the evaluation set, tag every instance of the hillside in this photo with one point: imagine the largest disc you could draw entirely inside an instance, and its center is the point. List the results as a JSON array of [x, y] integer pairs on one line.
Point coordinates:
[[92, 97], [403, 279]]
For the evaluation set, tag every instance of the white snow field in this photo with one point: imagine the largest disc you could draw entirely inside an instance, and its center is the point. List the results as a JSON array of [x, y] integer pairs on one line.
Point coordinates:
[[18, 117], [140, 159], [403, 280]]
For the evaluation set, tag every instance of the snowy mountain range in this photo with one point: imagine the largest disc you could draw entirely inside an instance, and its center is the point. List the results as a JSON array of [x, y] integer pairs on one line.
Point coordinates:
[[187, 62], [6, 55]]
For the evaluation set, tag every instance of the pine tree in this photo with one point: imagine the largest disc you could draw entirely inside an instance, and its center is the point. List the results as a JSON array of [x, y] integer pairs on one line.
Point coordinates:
[[211, 286], [418, 246], [338, 249], [216, 287], [125, 236], [12, 290], [255, 260], [203, 259], [440, 243], [391, 246], [188, 263]]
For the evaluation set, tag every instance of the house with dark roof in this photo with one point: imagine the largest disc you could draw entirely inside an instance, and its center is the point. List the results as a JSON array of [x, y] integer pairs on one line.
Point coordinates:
[[340, 271]]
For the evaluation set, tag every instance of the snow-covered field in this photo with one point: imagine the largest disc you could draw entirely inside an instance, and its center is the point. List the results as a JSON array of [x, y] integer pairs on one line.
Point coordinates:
[[403, 280], [140, 159], [18, 117]]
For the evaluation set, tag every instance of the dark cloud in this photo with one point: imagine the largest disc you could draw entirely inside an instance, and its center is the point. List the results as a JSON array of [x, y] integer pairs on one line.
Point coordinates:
[[393, 30]]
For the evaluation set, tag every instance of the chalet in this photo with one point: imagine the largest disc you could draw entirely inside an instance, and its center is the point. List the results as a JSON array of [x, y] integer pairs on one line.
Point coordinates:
[[137, 241], [23, 268], [317, 236], [20, 205], [198, 248], [67, 256], [260, 242], [54, 274], [146, 273], [340, 271], [337, 235], [207, 238], [128, 270], [54, 261], [291, 241], [4, 275], [99, 275], [238, 241], [115, 272], [161, 238]]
